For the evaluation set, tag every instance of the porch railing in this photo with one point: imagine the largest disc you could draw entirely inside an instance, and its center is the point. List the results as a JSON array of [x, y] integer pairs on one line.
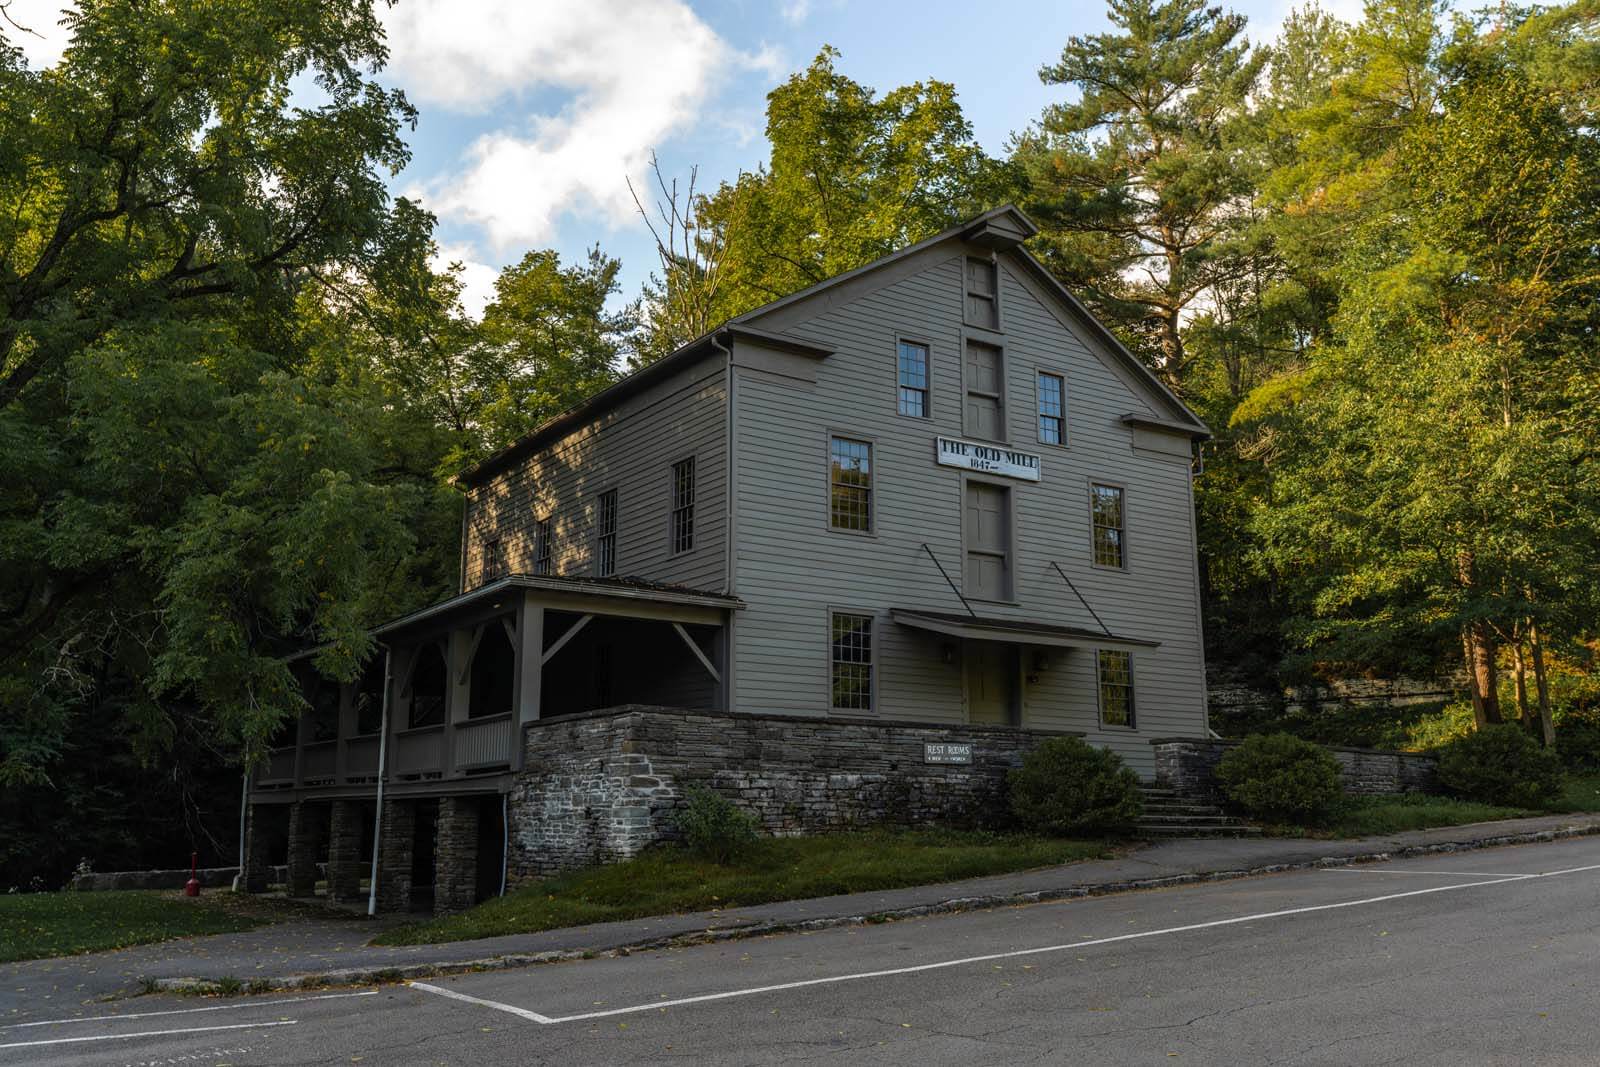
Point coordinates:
[[484, 742], [418, 752]]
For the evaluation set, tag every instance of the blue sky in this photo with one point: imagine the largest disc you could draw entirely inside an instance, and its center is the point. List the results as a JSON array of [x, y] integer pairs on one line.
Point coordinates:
[[534, 111]]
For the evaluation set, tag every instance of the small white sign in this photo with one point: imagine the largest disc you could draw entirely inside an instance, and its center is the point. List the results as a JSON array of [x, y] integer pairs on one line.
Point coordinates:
[[946, 752], [989, 459]]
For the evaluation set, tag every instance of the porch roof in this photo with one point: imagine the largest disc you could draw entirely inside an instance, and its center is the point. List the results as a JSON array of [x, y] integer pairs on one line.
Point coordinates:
[[1013, 631], [634, 597]]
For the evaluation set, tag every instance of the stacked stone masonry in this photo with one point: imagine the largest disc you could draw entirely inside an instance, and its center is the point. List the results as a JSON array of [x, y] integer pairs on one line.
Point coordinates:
[[396, 841], [1187, 766], [600, 787], [344, 850], [305, 841], [456, 854]]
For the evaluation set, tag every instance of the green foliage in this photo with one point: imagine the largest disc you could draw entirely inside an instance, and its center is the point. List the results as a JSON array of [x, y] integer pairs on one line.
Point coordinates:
[[1139, 182], [1578, 738], [853, 175], [713, 827], [1373, 816], [666, 881], [1501, 765], [1281, 778], [1067, 786]]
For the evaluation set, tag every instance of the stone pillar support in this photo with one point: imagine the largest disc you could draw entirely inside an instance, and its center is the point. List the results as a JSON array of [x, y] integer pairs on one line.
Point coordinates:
[[395, 855], [304, 844], [344, 851], [455, 852]]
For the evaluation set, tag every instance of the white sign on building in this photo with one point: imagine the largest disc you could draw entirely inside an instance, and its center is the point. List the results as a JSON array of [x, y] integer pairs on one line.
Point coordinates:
[[988, 459]]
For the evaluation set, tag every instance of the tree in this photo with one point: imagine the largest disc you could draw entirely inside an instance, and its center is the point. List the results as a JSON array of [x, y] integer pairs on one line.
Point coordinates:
[[853, 176], [194, 485], [1440, 471], [1140, 182]]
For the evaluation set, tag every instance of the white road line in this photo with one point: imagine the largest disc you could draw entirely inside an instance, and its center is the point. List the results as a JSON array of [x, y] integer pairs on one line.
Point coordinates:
[[546, 1020], [146, 1033], [509, 1009], [1435, 874], [186, 1011]]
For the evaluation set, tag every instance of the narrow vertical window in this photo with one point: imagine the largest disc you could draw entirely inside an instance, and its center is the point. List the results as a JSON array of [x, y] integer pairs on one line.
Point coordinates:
[[982, 307], [541, 546], [1116, 688], [494, 562], [606, 544], [1052, 409], [850, 506], [1106, 508], [913, 361], [851, 656], [683, 505]]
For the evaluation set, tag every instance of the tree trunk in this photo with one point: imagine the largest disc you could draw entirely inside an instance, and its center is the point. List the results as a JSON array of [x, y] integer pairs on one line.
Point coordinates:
[[1520, 666], [1478, 647], [1542, 684]]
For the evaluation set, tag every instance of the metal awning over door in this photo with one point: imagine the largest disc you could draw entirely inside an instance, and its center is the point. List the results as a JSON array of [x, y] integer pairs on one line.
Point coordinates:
[[1013, 631]]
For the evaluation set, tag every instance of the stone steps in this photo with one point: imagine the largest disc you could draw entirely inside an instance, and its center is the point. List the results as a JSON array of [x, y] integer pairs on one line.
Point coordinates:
[[1169, 814]]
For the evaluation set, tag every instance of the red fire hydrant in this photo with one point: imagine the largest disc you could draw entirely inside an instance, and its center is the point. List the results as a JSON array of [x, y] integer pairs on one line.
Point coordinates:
[[191, 888]]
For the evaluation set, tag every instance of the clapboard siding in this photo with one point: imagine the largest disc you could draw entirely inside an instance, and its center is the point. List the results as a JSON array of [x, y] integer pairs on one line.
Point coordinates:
[[630, 448], [791, 569]]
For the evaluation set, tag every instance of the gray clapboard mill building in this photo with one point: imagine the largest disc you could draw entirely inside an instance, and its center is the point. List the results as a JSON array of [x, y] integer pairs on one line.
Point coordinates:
[[926, 510]]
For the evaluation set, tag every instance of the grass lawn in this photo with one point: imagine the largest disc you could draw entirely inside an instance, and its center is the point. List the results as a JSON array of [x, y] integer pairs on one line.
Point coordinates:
[[36, 925], [1581, 794], [667, 880]]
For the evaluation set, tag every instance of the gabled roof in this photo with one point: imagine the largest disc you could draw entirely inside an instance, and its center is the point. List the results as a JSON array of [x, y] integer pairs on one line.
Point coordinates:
[[1003, 228]]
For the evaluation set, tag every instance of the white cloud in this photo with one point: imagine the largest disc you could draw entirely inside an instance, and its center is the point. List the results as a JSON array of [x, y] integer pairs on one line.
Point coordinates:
[[632, 72], [794, 12], [477, 278], [41, 37]]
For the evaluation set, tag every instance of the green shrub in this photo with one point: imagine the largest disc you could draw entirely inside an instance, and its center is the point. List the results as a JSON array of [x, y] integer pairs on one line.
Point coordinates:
[[1501, 764], [1067, 787], [1281, 778], [1578, 740], [713, 827]]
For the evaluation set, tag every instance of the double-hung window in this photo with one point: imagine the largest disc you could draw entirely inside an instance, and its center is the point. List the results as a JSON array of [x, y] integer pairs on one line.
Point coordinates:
[[606, 540], [1105, 506], [850, 653], [541, 546], [1116, 688], [494, 560], [683, 505], [850, 488], [913, 371], [1052, 409]]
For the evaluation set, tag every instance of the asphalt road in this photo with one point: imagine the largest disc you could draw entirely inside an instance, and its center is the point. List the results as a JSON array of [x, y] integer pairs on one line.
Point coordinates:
[[1478, 958]]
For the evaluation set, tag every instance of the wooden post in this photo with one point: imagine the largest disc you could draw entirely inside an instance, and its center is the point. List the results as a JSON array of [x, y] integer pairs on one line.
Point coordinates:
[[529, 676]]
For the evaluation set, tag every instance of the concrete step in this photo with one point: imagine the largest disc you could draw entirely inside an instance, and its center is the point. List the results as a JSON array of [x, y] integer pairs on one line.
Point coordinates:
[[1209, 819], [1239, 830]]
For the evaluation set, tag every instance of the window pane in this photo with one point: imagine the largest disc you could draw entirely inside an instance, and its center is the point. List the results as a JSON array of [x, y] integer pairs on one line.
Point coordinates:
[[1116, 688], [851, 646], [541, 547], [1051, 404], [683, 505], [850, 505], [1106, 504], [606, 563], [913, 371]]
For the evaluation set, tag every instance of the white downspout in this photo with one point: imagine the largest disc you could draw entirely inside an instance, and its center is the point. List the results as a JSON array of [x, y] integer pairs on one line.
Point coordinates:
[[383, 775], [244, 809]]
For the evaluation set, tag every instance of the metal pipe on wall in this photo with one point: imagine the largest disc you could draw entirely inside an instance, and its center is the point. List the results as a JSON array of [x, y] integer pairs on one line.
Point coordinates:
[[383, 776]]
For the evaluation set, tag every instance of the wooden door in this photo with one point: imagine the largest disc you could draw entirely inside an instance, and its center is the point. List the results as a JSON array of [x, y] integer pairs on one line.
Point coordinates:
[[987, 530], [991, 671]]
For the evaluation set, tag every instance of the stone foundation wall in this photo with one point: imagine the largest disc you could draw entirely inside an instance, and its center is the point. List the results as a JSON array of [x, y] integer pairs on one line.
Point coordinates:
[[600, 787], [1188, 765]]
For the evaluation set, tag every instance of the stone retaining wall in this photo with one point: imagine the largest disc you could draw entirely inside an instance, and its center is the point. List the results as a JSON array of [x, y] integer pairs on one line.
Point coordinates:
[[177, 878], [600, 787], [1186, 765]]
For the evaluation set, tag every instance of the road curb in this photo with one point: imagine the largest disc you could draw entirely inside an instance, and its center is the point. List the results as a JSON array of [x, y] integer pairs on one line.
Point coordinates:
[[347, 976]]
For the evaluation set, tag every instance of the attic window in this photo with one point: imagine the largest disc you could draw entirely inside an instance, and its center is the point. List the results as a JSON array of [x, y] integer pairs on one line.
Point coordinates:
[[982, 294]]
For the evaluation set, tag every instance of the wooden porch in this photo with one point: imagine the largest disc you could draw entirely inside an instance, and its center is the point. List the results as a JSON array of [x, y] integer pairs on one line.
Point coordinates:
[[442, 706]]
